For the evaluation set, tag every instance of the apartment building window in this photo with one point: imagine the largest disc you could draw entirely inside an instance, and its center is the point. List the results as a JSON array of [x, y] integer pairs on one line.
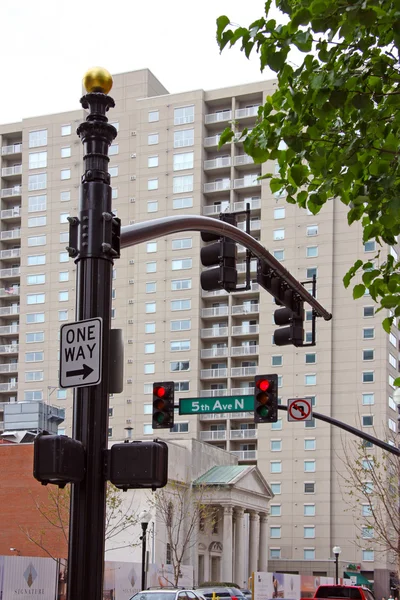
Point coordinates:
[[309, 510], [63, 296], [37, 203], [65, 196], [36, 279], [367, 420], [182, 183], [310, 379], [151, 267], [277, 361], [181, 284], [181, 304], [276, 445], [182, 386], [181, 203], [154, 115], [279, 234], [152, 161], [37, 160], [275, 466], [35, 298], [309, 487], [279, 254], [65, 174], [38, 138], [392, 426], [183, 161], [309, 466], [275, 532], [368, 355], [183, 138], [150, 327], [34, 356], [180, 345], [64, 218], [275, 510], [182, 244], [37, 182], [37, 221], [368, 333], [368, 377], [33, 376], [35, 318], [393, 340], [63, 257], [368, 399], [180, 264], [113, 150], [311, 272], [277, 426], [113, 171], [310, 358], [148, 408], [152, 139], [33, 395], [150, 307], [66, 152], [63, 276], [368, 555], [64, 237], [311, 251], [149, 348], [37, 240], [392, 361], [66, 130], [151, 247], [152, 184], [149, 368], [179, 365], [309, 531], [368, 311], [279, 213], [151, 287], [183, 115], [366, 510], [274, 553], [114, 193], [312, 230], [392, 403], [180, 428], [63, 315], [310, 444], [309, 554], [152, 206], [34, 337], [181, 325], [370, 246], [276, 488]]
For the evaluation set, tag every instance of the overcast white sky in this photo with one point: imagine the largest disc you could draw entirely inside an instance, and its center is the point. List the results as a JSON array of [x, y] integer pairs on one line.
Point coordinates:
[[48, 45]]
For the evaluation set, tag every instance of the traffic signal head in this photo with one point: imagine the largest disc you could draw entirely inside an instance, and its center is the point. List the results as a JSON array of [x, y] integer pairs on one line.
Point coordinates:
[[266, 399], [138, 465], [163, 404], [294, 332], [58, 459], [221, 255]]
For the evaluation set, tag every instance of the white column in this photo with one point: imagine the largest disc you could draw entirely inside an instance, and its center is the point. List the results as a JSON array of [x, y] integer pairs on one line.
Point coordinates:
[[239, 548], [227, 542], [254, 542], [263, 564]]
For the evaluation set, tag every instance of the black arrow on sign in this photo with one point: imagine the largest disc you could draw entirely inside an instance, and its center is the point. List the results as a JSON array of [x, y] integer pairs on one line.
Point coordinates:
[[85, 371]]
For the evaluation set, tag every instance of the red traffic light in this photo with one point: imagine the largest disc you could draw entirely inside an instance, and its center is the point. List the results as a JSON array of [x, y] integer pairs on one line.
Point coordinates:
[[263, 384], [159, 391]]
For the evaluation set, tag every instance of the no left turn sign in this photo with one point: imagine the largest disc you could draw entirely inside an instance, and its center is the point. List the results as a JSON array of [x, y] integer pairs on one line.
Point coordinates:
[[299, 409]]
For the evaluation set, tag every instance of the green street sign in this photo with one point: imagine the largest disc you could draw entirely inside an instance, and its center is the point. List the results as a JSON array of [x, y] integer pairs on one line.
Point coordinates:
[[222, 404]]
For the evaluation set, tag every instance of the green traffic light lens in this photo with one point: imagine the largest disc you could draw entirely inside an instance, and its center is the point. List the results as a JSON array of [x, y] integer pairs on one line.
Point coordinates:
[[263, 411], [159, 418]]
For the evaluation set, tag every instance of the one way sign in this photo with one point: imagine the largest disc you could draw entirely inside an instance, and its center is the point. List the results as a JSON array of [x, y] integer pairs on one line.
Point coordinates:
[[80, 353]]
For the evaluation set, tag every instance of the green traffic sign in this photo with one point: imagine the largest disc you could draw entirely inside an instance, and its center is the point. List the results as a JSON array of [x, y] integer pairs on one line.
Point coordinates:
[[222, 404]]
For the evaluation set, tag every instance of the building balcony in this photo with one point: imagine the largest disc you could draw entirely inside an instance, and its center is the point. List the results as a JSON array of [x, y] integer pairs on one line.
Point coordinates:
[[11, 149], [245, 329], [255, 203], [255, 225], [8, 387], [244, 371], [11, 171], [9, 311], [242, 415], [215, 332], [7, 273], [212, 436], [11, 192], [217, 311], [9, 330], [11, 213], [249, 181], [212, 141], [217, 186], [217, 163], [9, 368], [241, 267], [241, 160], [215, 209], [245, 454], [10, 254], [218, 117], [245, 113], [245, 309], [242, 392], [10, 234], [238, 136], [213, 393], [213, 373], [243, 434], [12, 349], [244, 351], [206, 294], [224, 416], [11, 291], [254, 287], [214, 353]]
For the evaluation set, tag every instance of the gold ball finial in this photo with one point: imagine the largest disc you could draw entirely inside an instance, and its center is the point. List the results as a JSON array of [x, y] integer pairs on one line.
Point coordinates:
[[97, 79]]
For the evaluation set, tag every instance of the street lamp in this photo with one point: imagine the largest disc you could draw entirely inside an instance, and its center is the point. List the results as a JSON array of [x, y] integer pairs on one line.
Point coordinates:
[[144, 518], [336, 551]]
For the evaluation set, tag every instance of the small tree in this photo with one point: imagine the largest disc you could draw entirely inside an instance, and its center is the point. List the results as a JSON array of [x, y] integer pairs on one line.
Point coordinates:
[[184, 510]]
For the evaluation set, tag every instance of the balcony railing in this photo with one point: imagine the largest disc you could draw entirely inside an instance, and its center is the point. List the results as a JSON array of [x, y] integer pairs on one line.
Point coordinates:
[[244, 371], [9, 171], [241, 392], [248, 181], [15, 272], [214, 332], [217, 311], [245, 329], [241, 267], [12, 253], [11, 349], [213, 373], [11, 234], [223, 115], [6, 311], [8, 387], [214, 352], [223, 416], [243, 434], [213, 393], [217, 163], [245, 454], [9, 329], [251, 111], [245, 309], [217, 186], [242, 415], [9, 368], [212, 140], [10, 213], [208, 436], [253, 288], [206, 294], [215, 209], [12, 290], [244, 350], [242, 159], [11, 149], [254, 225], [254, 204], [14, 191]]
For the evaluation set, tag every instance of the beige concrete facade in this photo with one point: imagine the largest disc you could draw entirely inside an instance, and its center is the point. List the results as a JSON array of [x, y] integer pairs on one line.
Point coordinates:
[[165, 162]]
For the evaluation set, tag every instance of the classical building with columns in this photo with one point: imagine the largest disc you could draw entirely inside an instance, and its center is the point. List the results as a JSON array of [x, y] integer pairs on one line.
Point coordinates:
[[236, 542]]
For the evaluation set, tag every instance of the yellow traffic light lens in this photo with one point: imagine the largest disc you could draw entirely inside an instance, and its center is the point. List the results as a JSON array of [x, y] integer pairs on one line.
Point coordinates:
[[263, 398]]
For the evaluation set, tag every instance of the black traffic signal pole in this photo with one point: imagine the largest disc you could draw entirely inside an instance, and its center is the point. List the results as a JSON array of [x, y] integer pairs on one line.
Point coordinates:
[[91, 244], [142, 232], [351, 429]]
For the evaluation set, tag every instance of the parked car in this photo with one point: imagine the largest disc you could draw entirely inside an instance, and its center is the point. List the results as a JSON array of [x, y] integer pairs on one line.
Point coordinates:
[[247, 593], [224, 593], [168, 594]]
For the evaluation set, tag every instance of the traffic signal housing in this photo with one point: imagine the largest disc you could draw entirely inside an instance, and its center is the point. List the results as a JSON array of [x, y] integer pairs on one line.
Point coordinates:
[[266, 399], [163, 404], [221, 255], [294, 332], [58, 459], [138, 465]]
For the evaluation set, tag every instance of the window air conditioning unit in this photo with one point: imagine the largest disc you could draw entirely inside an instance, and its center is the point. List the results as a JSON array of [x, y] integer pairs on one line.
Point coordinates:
[[128, 421], [133, 200], [133, 133], [130, 301], [130, 341], [129, 401], [133, 155], [130, 321], [130, 361], [129, 380], [131, 281], [133, 177], [132, 261]]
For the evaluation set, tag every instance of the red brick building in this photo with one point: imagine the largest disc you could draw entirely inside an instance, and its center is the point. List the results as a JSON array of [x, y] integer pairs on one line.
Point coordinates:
[[20, 495]]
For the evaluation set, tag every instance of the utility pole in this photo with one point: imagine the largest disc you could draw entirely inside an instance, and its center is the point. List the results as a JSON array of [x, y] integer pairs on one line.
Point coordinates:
[[93, 244]]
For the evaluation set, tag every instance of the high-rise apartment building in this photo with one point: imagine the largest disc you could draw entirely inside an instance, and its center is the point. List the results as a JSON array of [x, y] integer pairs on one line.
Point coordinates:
[[165, 162]]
